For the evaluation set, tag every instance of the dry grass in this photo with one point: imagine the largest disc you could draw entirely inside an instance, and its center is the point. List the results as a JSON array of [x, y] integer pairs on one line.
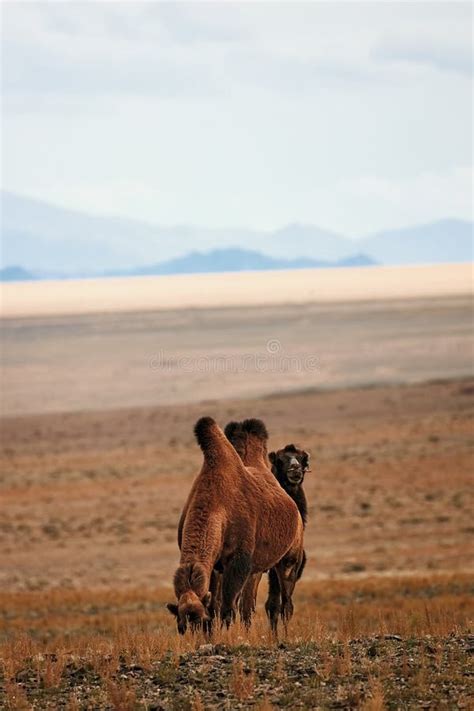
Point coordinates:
[[242, 682], [121, 696], [106, 630], [137, 624], [350, 642], [16, 698], [197, 704], [376, 699]]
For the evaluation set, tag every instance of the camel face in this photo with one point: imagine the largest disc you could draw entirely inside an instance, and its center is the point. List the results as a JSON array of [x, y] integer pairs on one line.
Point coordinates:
[[190, 611], [290, 465]]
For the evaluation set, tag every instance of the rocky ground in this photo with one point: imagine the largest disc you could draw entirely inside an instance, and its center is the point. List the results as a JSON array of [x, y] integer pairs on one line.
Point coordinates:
[[375, 673]]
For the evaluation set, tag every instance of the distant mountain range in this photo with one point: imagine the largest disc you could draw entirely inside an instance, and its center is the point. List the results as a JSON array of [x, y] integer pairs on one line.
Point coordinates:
[[16, 274], [232, 259], [46, 241]]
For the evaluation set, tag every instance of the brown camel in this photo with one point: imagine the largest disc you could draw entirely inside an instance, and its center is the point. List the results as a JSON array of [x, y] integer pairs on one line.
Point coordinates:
[[288, 466], [233, 521]]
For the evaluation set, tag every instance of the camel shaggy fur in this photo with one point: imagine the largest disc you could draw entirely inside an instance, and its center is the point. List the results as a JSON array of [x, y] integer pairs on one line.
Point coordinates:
[[288, 466], [234, 522]]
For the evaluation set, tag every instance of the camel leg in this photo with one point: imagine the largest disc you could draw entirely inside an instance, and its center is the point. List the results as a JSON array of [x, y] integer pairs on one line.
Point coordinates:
[[288, 575], [213, 609], [286, 599], [273, 603], [248, 600], [236, 573]]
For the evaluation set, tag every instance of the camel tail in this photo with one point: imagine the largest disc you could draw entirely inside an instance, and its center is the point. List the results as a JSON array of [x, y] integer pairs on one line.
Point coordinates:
[[214, 444]]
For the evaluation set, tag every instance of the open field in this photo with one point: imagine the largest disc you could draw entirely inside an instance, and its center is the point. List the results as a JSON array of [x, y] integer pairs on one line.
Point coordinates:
[[105, 361], [383, 615], [98, 455], [92, 499]]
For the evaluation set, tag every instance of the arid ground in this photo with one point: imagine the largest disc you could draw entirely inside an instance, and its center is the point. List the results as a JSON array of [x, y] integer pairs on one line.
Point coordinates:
[[108, 361], [92, 499], [91, 493]]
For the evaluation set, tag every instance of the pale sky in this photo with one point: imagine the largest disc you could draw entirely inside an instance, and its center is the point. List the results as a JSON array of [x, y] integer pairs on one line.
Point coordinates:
[[350, 116]]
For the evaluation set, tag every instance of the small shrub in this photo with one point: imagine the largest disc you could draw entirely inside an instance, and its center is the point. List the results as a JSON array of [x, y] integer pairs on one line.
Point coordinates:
[[376, 700], [242, 684], [122, 696]]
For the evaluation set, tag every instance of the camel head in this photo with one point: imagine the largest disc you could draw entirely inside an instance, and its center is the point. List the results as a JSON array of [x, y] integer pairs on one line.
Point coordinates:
[[191, 587], [190, 610], [289, 465]]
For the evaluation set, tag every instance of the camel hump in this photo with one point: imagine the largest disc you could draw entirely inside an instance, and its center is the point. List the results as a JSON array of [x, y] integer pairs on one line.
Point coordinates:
[[203, 430], [215, 446], [255, 427], [252, 426]]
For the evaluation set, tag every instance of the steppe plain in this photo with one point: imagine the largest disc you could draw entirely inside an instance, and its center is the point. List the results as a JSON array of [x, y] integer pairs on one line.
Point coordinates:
[[98, 455]]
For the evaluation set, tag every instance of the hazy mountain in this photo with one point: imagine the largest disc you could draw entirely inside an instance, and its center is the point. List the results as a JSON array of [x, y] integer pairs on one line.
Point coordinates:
[[236, 260], [217, 260], [15, 273], [49, 240], [442, 241], [306, 241]]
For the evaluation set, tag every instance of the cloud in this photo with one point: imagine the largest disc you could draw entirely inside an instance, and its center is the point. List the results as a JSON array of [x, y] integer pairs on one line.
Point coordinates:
[[195, 25], [203, 50], [433, 35], [100, 48], [142, 49], [134, 70], [448, 58], [424, 197]]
